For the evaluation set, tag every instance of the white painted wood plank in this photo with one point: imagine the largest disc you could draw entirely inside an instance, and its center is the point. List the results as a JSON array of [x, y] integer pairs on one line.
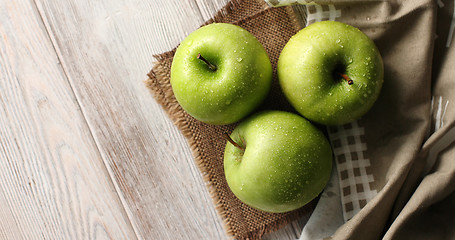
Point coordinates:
[[106, 49], [208, 8], [53, 183]]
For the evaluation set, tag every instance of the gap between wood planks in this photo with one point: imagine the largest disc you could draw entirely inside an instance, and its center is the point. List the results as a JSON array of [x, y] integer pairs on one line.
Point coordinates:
[[65, 73], [205, 13]]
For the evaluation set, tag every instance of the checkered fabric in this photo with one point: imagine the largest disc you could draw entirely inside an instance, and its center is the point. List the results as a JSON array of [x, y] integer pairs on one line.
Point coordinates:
[[317, 13], [314, 12], [353, 167], [414, 192], [348, 141]]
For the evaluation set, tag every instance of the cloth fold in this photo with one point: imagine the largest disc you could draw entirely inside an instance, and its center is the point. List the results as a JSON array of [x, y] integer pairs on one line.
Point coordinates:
[[394, 166], [408, 137]]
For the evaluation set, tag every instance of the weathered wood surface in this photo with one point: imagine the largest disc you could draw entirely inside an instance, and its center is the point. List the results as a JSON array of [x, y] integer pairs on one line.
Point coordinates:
[[85, 151], [53, 182]]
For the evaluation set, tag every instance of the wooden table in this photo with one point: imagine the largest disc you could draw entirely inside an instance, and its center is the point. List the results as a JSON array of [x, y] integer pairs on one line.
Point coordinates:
[[85, 151]]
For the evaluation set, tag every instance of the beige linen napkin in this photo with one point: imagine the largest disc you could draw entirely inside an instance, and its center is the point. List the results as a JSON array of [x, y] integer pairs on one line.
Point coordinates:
[[395, 166]]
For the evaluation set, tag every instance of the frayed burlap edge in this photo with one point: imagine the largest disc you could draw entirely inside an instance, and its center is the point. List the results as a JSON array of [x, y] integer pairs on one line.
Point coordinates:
[[163, 94]]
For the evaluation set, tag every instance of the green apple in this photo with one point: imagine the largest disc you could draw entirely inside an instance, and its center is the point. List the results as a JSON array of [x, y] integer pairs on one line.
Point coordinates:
[[331, 72], [277, 161], [220, 73]]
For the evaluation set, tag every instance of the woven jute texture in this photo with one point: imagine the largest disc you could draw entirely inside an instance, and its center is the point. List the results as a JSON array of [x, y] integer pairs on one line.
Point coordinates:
[[272, 27]]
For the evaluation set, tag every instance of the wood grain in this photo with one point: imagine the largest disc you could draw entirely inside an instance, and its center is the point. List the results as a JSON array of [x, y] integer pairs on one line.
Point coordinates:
[[85, 150], [106, 49], [53, 183]]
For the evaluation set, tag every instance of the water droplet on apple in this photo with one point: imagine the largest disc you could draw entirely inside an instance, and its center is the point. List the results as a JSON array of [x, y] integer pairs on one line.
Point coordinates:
[[341, 107], [350, 60], [338, 40], [366, 63], [239, 59]]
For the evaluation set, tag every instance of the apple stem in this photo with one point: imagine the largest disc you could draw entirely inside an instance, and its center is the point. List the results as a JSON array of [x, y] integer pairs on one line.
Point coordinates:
[[211, 66], [350, 82], [229, 139]]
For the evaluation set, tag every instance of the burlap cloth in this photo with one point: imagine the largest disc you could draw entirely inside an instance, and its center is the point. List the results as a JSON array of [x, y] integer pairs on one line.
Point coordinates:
[[395, 166], [272, 27]]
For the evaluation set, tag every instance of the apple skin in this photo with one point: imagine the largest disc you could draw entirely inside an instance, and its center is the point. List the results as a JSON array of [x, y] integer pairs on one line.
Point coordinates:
[[240, 83], [287, 161], [309, 71]]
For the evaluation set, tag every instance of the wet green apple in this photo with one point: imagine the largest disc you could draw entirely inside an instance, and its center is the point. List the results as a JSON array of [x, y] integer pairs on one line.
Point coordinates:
[[331, 72], [277, 161], [220, 73]]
